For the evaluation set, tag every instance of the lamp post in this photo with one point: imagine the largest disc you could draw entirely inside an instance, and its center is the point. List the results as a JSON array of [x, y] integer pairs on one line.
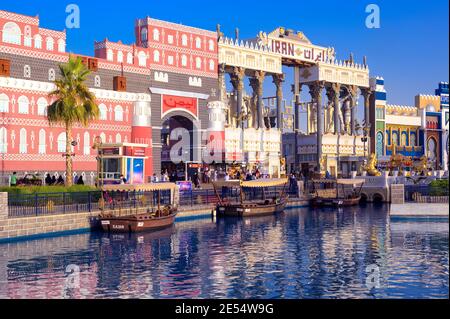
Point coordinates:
[[364, 130], [98, 142]]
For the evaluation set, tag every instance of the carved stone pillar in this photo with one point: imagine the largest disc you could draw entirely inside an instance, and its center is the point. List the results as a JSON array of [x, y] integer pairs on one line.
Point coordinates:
[[316, 90], [367, 93], [237, 80], [336, 88], [222, 87], [278, 80], [257, 85], [353, 90]]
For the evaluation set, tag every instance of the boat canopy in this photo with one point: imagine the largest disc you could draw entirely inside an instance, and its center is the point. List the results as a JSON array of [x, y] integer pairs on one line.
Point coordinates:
[[341, 181], [140, 187], [252, 184]]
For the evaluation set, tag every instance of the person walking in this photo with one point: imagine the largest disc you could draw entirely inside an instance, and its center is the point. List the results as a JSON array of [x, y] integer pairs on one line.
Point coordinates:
[[80, 181], [13, 180]]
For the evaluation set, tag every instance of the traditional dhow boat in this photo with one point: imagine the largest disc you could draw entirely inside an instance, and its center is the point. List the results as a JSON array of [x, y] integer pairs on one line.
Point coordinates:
[[136, 208], [250, 198], [336, 192]]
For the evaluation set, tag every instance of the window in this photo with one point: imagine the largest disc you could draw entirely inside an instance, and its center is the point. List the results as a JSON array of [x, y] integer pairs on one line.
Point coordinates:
[[38, 41], [129, 58], [184, 60], [120, 57], [97, 81], [62, 143], [413, 140], [184, 40], [156, 56], [3, 140], [87, 144], [118, 113], [61, 45], [170, 39], [142, 58], [103, 137], [198, 43], [211, 45], [27, 71], [198, 63], [156, 35], [144, 34], [42, 106], [212, 65], [23, 146], [170, 59], [51, 75], [42, 145], [4, 103], [404, 140], [11, 33], [109, 55], [50, 43], [103, 112], [23, 105], [27, 38], [118, 138]]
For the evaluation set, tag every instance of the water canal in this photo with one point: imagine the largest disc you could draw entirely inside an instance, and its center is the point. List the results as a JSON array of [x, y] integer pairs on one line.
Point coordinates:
[[352, 253]]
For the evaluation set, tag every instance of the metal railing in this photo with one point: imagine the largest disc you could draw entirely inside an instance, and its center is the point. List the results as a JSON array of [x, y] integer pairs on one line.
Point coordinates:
[[426, 194]]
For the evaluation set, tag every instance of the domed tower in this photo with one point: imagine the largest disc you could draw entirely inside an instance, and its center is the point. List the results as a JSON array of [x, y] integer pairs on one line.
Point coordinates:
[[141, 131], [215, 149]]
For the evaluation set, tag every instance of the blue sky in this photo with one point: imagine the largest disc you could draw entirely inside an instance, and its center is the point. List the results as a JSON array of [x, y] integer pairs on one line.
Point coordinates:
[[410, 50]]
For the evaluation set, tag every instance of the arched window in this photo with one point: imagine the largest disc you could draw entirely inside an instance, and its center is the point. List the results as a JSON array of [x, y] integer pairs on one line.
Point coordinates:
[[404, 141], [4, 103], [198, 63], [51, 75], [184, 40], [412, 142], [24, 105], [142, 58], [432, 149], [50, 44], [3, 140], [380, 143], [394, 138], [118, 113], [109, 55], [87, 144], [155, 35], [42, 106], [23, 145], [38, 41], [11, 33], [144, 35], [120, 56], [27, 71], [211, 45], [27, 39], [42, 142], [198, 43], [118, 138], [212, 65], [62, 143], [156, 56], [129, 58], [184, 60], [61, 45], [103, 137], [97, 81], [103, 112]]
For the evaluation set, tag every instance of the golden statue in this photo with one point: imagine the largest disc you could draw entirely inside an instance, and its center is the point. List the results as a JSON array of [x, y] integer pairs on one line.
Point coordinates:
[[422, 167], [370, 168]]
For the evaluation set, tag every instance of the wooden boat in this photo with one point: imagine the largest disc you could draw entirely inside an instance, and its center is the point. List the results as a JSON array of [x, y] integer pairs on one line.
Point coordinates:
[[336, 192], [250, 207], [138, 219]]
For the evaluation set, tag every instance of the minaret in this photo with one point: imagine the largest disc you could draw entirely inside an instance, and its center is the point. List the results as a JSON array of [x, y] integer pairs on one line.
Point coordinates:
[[141, 132], [377, 116]]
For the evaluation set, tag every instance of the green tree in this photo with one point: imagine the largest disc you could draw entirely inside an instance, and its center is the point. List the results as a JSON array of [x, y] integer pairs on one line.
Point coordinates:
[[74, 104]]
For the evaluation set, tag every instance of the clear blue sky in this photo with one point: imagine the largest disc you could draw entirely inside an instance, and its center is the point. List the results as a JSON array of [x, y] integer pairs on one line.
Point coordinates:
[[410, 50]]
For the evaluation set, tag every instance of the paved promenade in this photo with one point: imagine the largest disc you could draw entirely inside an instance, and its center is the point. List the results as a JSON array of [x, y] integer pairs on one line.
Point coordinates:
[[418, 210]]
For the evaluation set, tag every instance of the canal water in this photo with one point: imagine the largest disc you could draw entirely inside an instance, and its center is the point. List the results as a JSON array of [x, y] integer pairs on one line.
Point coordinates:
[[351, 253]]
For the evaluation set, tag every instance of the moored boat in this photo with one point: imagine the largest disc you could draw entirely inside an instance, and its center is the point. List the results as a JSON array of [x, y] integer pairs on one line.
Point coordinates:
[[336, 192]]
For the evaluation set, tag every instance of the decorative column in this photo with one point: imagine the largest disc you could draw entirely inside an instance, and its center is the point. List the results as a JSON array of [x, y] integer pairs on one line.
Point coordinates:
[[336, 87], [316, 93], [257, 85], [367, 93], [222, 87], [278, 80], [237, 80], [353, 90]]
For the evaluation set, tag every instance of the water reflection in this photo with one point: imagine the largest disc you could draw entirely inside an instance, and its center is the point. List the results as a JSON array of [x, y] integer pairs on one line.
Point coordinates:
[[299, 254]]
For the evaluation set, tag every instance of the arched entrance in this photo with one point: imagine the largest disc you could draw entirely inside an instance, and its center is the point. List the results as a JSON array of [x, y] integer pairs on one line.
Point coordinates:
[[178, 137]]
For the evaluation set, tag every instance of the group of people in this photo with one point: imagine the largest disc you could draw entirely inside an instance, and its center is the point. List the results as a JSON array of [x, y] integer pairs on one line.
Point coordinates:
[[52, 180]]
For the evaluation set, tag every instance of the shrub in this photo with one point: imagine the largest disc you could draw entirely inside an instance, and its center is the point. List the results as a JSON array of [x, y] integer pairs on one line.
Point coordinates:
[[439, 187], [47, 189]]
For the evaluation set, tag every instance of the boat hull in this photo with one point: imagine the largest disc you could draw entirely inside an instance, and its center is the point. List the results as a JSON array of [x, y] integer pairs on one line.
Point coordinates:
[[250, 209], [136, 223], [334, 202]]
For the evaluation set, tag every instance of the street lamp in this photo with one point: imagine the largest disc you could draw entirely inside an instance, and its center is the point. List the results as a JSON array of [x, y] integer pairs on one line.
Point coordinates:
[[364, 130], [98, 142]]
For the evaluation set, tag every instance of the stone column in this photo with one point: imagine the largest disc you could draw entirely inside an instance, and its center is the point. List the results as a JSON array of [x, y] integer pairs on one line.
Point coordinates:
[[237, 80], [367, 93], [257, 85], [278, 80], [316, 94], [336, 87], [222, 87], [353, 90]]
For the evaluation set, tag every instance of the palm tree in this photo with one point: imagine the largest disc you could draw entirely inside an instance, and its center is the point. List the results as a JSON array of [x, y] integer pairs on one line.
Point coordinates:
[[74, 104]]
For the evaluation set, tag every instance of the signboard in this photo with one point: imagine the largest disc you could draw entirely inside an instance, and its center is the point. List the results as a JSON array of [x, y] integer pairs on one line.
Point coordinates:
[[110, 151], [171, 102], [185, 186], [135, 151]]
